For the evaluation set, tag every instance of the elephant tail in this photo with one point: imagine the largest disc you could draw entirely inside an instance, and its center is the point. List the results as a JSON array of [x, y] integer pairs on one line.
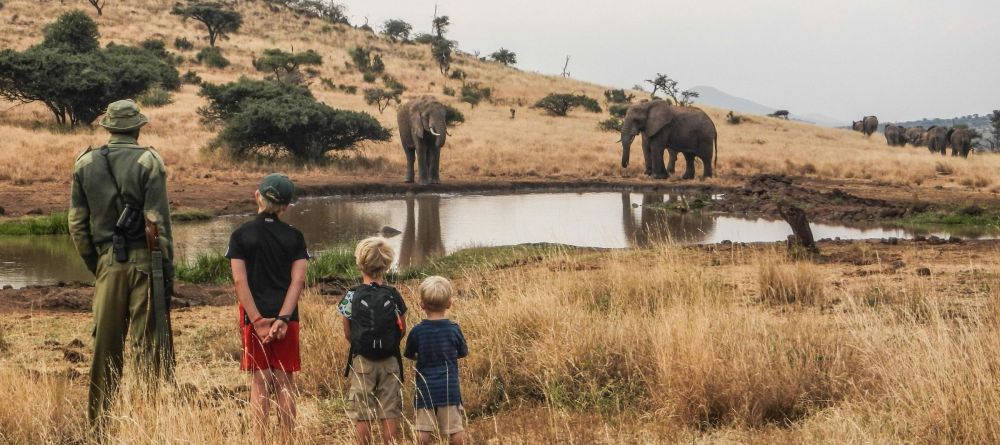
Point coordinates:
[[715, 154]]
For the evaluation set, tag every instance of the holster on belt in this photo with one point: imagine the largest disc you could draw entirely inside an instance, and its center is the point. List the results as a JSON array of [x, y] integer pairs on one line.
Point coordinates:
[[160, 293]]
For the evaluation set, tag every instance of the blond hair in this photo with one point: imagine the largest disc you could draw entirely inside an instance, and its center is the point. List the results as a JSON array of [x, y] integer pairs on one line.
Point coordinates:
[[435, 293], [374, 256], [269, 206]]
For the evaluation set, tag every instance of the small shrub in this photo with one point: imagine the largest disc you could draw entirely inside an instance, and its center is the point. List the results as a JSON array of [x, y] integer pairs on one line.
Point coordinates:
[[473, 93], [448, 91], [452, 116], [349, 89], [183, 44], [457, 75], [560, 104], [191, 78], [610, 124], [618, 96], [157, 48], [397, 31], [212, 57], [734, 118], [368, 77], [155, 97], [326, 82], [618, 110], [393, 84]]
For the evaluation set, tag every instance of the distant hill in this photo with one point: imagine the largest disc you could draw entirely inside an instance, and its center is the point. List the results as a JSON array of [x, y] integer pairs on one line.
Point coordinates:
[[714, 97]]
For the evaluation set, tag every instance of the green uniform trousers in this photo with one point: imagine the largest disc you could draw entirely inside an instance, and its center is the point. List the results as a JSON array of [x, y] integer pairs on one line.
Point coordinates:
[[122, 302]]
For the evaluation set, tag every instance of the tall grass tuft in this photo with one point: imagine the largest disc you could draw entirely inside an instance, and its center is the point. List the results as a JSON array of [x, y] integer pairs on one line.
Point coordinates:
[[54, 224], [207, 268], [796, 283]]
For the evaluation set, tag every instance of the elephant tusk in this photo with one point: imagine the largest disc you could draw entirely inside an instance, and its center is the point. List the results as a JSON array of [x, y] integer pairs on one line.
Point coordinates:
[[434, 132]]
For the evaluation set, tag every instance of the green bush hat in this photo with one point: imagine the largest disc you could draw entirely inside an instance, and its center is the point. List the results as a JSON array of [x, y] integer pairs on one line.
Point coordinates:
[[277, 188], [123, 116]]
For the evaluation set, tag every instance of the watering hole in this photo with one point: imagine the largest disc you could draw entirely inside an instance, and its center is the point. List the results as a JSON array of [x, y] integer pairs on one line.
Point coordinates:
[[431, 226]]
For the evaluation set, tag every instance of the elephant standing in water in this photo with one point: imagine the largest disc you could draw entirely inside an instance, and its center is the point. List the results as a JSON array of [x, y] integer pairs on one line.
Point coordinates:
[[960, 140], [937, 139], [867, 125], [422, 239], [687, 130], [422, 130]]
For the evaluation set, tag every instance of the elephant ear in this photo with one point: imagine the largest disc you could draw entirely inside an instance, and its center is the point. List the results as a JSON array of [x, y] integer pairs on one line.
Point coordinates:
[[660, 115]]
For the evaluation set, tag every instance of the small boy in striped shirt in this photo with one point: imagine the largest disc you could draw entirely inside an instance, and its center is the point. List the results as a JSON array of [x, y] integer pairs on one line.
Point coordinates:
[[436, 343]]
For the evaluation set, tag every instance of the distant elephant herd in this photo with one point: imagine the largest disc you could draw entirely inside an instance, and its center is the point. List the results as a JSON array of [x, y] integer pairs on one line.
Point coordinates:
[[937, 139], [663, 127]]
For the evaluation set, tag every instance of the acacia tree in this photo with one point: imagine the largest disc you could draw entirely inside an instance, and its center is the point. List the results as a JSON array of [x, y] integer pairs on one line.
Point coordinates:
[[397, 30], [440, 25], [217, 18], [441, 50], [285, 65], [668, 86], [504, 56], [995, 123], [98, 5]]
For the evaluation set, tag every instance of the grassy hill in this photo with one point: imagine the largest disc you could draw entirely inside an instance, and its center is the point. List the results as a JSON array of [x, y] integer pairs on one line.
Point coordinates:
[[489, 146]]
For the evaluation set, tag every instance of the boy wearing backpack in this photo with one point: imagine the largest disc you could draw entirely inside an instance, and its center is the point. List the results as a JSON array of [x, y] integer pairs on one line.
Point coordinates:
[[374, 324], [436, 344]]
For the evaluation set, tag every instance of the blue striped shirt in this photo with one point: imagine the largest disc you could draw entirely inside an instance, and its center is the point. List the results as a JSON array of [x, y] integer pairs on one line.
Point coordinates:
[[436, 345]]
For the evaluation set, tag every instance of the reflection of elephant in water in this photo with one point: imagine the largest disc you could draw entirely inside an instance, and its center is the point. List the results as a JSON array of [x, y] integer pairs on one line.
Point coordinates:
[[937, 139], [687, 130], [423, 130], [422, 235], [867, 125], [659, 225], [960, 140]]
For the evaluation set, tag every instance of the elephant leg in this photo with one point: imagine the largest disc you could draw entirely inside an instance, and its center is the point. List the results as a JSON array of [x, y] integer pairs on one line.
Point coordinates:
[[689, 168], [671, 161], [659, 172], [434, 159], [706, 162], [410, 154], [647, 156], [422, 162]]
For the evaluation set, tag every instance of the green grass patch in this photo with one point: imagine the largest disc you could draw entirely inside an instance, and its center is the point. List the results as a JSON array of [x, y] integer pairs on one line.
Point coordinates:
[[54, 224], [969, 221], [207, 268], [191, 215]]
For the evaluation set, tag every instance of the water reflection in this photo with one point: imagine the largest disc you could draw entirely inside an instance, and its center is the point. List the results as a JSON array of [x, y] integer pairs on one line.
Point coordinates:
[[422, 235], [431, 226]]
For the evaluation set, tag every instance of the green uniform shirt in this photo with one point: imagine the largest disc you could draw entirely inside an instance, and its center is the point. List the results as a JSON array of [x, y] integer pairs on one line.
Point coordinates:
[[94, 206]]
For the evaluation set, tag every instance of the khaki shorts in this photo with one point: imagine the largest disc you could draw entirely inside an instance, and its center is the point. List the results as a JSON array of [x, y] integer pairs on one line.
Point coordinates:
[[376, 391], [448, 418]]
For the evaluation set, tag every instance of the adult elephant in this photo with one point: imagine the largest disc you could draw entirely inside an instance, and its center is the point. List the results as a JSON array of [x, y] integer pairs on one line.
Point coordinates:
[[895, 135], [915, 136], [937, 139], [423, 130], [687, 130], [960, 140], [869, 125]]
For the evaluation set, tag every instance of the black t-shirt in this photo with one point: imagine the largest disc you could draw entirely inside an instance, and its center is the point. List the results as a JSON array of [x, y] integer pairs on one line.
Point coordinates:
[[269, 247]]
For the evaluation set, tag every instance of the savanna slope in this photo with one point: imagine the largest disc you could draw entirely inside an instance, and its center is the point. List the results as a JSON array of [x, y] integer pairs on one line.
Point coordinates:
[[489, 148]]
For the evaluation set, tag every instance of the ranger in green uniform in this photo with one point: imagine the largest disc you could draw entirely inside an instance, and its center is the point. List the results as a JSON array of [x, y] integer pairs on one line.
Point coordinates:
[[116, 189]]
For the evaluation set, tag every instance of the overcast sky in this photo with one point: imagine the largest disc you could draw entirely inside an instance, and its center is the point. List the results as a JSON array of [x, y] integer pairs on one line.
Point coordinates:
[[897, 59]]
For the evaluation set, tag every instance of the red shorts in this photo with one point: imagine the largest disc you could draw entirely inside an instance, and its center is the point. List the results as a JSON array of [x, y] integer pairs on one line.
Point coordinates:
[[280, 355]]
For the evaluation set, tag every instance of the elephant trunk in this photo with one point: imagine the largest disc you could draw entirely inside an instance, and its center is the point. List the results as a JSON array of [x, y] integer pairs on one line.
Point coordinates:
[[626, 145]]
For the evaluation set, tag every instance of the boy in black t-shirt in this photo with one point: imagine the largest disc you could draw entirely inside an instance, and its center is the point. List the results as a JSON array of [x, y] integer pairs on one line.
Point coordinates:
[[269, 261]]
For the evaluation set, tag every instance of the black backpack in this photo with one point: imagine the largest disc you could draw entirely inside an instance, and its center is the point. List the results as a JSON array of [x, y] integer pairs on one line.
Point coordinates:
[[376, 324]]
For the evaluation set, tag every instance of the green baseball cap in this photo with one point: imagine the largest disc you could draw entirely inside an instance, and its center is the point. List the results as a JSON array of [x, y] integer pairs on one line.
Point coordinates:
[[123, 116], [277, 188]]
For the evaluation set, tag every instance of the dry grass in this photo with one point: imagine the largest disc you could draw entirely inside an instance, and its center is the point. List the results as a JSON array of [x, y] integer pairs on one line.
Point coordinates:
[[648, 346], [799, 283], [488, 146]]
